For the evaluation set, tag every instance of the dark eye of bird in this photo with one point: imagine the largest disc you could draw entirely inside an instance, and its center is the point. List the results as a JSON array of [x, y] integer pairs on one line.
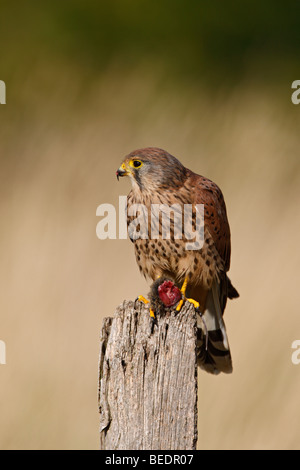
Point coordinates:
[[136, 163]]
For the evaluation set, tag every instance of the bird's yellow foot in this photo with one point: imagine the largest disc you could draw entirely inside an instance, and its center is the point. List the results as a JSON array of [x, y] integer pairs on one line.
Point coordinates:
[[141, 298], [180, 304], [152, 314], [183, 291], [194, 302]]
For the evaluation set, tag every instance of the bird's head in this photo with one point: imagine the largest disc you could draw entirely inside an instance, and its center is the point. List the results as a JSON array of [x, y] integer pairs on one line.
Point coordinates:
[[151, 169]]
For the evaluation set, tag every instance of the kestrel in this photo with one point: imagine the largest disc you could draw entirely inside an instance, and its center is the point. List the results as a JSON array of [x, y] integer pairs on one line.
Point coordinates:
[[158, 178]]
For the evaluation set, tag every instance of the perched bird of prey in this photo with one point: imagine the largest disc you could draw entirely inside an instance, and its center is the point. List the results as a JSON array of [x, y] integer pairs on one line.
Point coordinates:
[[160, 180]]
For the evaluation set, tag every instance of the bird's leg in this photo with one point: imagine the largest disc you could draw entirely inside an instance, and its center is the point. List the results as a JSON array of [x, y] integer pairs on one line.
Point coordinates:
[[183, 291], [184, 286], [141, 298]]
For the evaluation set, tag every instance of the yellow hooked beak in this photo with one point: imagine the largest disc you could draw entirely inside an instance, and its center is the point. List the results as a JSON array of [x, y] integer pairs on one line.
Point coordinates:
[[122, 171]]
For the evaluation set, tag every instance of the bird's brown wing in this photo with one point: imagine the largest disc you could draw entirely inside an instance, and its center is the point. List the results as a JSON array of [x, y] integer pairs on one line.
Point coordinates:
[[215, 216]]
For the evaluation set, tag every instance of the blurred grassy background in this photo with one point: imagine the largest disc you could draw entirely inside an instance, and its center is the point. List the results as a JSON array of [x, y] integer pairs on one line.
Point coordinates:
[[86, 84]]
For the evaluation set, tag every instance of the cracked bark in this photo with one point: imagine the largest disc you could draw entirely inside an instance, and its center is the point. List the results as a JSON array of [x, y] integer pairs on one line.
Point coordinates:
[[148, 380]]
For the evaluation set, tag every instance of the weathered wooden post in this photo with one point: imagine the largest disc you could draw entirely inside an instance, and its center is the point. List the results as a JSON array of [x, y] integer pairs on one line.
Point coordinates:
[[148, 380]]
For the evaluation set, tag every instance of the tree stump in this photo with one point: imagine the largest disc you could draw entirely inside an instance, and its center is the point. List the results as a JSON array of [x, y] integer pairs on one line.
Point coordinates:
[[148, 380]]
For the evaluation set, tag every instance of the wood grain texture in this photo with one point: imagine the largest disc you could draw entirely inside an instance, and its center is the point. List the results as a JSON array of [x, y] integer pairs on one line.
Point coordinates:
[[148, 380]]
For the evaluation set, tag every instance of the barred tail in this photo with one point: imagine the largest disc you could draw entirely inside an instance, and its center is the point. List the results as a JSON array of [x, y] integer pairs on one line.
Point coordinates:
[[213, 348]]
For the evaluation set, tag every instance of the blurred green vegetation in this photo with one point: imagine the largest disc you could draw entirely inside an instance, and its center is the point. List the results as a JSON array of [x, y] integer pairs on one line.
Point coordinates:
[[214, 42]]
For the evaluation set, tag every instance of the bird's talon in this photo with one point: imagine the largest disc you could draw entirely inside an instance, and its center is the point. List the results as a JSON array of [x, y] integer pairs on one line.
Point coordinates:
[[141, 298], [180, 303], [145, 301], [194, 302], [152, 314]]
